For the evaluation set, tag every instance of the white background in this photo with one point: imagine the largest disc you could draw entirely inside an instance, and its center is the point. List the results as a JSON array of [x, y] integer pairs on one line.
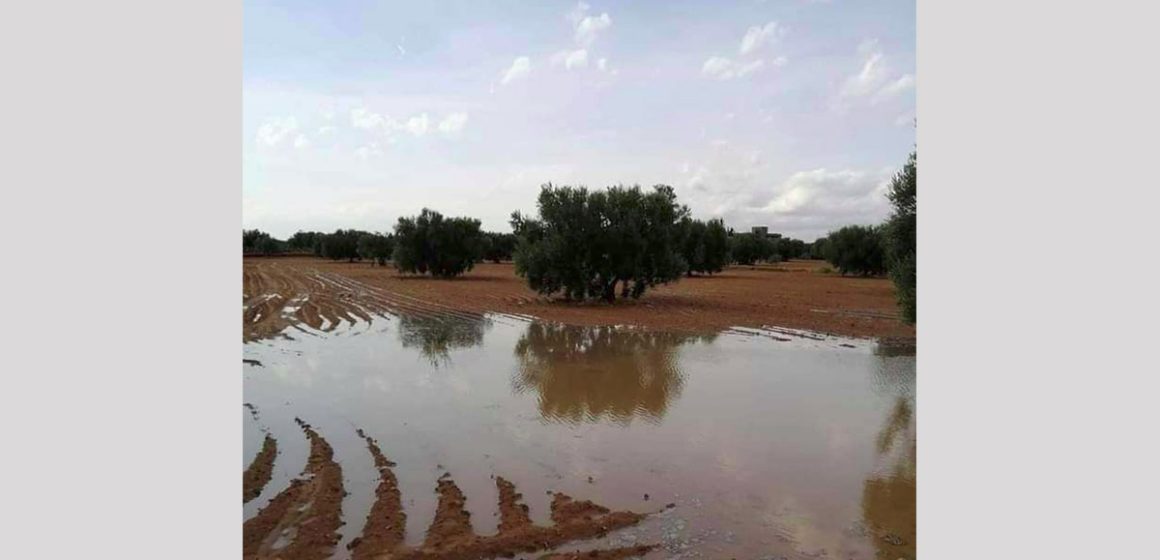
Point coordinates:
[[121, 180]]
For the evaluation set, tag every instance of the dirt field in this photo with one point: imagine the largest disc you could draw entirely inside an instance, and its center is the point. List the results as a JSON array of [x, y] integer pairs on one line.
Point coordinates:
[[796, 294]]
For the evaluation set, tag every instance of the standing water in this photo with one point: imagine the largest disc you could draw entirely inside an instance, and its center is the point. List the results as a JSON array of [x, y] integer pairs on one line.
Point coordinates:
[[742, 444]]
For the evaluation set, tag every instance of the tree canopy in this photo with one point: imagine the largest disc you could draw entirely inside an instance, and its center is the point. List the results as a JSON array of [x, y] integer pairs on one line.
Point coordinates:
[[704, 245], [586, 244], [443, 247], [375, 247], [901, 237], [748, 248], [856, 250], [498, 246], [342, 244]]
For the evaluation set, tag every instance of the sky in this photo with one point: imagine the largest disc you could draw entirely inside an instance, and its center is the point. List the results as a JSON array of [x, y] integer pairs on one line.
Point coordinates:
[[791, 114]]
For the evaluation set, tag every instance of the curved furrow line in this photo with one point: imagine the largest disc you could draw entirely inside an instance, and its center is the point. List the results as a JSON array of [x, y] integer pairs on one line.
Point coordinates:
[[421, 303], [621, 553], [450, 535], [307, 513], [260, 471], [386, 522]]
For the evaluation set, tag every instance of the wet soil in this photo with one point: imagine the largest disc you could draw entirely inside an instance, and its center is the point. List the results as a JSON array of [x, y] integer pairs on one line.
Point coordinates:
[[308, 511], [384, 528], [256, 476], [797, 294], [302, 521], [451, 535]]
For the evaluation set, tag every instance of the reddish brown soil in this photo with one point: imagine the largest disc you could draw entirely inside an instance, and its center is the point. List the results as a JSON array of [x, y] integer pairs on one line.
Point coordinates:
[[310, 508], [260, 470], [796, 294], [513, 514], [608, 554], [383, 531]]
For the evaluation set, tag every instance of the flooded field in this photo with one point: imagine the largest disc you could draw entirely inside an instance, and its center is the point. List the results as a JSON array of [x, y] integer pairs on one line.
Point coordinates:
[[750, 443]]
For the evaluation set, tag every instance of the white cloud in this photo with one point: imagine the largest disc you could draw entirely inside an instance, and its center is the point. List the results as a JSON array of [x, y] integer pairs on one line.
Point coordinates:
[[897, 86], [571, 59], [725, 69], [578, 13], [520, 68], [814, 202], [301, 141], [758, 36], [417, 125], [602, 65], [275, 130], [369, 151], [589, 27], [874, 81], [453, 123], [326, 130], [360, 117]]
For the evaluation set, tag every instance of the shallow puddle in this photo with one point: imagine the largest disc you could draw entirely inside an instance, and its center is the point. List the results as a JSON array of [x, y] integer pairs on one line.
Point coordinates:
[[768, 442]]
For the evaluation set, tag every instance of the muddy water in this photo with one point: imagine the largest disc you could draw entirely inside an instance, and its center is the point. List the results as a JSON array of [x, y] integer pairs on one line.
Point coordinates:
[[770, 443]]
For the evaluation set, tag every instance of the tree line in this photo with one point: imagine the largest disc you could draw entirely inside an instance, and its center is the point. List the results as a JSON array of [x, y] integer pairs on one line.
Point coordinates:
[[616, 242]]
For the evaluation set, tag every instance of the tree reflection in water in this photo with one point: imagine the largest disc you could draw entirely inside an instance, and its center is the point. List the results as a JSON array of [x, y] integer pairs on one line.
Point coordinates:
[[589, 374], [437, 336], [888, 497]]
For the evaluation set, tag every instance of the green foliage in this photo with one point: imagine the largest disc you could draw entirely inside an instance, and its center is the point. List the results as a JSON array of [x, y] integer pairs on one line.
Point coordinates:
[[498, 246], [586, 244], [857, 250], [443, 247], [375, 247], [257, 242], [704, 245], [818, 248], [790, 248], [901, 237], [342, 244], [748, 248], [304, 241]]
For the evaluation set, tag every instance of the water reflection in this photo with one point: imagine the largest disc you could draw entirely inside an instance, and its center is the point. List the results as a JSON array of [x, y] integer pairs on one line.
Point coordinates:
[[435, 337], [591, 374], [888, 496]]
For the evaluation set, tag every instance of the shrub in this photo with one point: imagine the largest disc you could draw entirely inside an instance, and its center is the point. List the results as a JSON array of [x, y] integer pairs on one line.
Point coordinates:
[[443, 247], [586, 244], [856, 250]]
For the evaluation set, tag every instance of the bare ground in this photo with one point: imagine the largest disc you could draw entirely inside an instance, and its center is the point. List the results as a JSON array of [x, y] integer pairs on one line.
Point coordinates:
[[289, 292], [302, 521]]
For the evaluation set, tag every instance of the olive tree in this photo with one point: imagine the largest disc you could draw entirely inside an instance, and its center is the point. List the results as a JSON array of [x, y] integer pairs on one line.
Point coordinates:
[[340, 245], [375, 247], [431, 243], [856, 250], [704, 245], [901, 237], [748, 248], [592, 244]]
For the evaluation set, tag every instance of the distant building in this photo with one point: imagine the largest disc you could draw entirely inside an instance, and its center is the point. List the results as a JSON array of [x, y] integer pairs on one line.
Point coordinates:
[[761, 231]]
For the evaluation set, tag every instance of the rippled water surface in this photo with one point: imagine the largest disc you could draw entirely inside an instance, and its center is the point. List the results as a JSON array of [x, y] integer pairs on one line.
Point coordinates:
[[769, 444]]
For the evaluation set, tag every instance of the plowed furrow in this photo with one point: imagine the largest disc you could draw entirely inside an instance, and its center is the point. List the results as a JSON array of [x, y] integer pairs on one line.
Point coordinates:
[[307, 513], [256, 476], [385, 524]]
